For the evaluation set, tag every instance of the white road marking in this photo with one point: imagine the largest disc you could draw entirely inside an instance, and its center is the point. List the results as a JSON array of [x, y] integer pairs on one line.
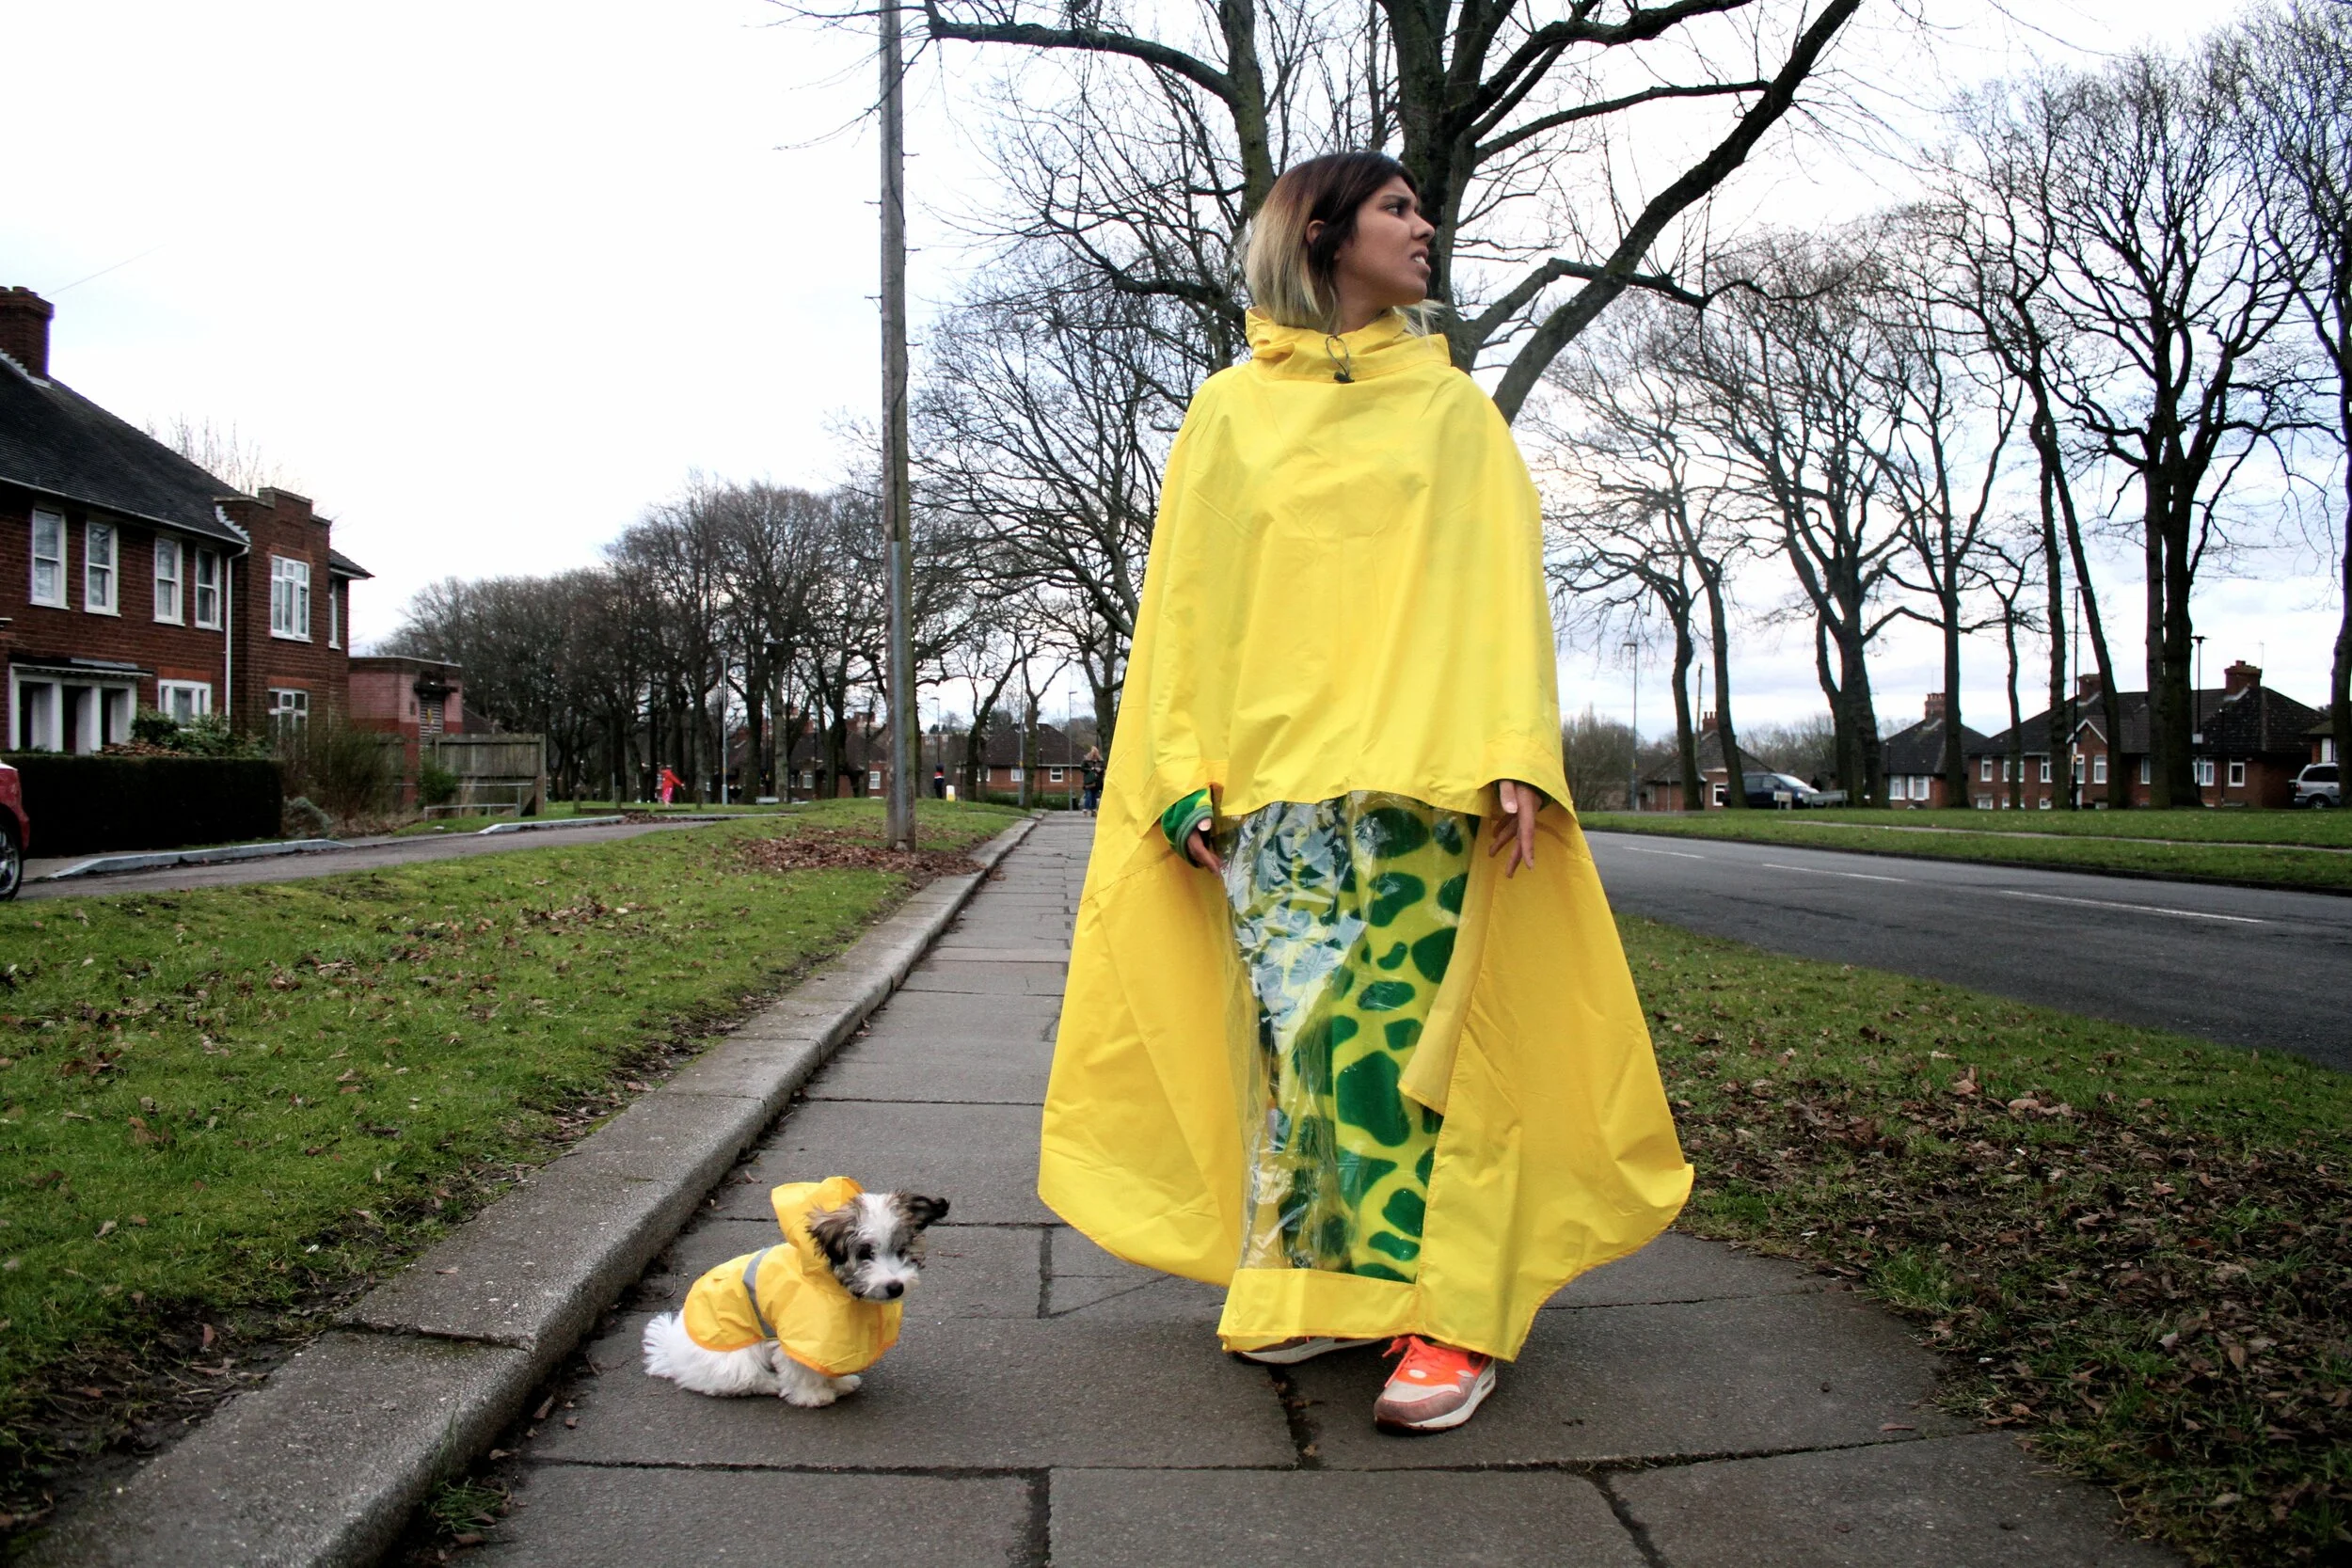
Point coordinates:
[[2136, 909], [1676, 853], [1817, 871]]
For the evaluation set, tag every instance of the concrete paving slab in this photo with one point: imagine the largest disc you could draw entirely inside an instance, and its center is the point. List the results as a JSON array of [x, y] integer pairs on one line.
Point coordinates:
[[1259, 1519], [941, 1015], [1071, 1254], [980, 1158], [964, 1392], [1156, 1299], [1676, 1267], [1757, 1374], [959, 952], [577, 1517], [989, 979], [1973, 1501], [320, 1465], [998, 1072], [971, 1271]]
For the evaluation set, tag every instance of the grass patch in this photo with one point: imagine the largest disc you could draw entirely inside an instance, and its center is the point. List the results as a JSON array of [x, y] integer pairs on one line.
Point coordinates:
[[221, 1112], [2135, 1246], [2195, 825], [2274, 863]]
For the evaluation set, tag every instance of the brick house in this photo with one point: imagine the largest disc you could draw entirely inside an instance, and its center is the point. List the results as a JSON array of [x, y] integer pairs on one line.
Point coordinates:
[[1061, 754], [1913, 759], [1661, 786], [131, 578], [2247, 747], [416, 699], [2322, 736]]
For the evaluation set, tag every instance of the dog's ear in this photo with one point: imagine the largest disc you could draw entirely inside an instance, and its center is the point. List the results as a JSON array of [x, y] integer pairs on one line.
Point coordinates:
[[832, 1229], [921, 1212]]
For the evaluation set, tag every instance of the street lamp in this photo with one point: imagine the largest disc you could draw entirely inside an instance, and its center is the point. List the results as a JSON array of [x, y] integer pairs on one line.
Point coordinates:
[[1633, 769]]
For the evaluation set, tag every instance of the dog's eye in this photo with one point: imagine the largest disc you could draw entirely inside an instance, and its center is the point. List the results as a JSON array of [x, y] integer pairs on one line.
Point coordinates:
[[864, 1253]]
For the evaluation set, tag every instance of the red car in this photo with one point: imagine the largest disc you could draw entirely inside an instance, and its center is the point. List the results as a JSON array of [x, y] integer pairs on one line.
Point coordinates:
[[14, 833]]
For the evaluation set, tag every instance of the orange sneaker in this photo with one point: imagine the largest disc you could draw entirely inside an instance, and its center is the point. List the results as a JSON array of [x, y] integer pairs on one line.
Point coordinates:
[[1435, 1387]]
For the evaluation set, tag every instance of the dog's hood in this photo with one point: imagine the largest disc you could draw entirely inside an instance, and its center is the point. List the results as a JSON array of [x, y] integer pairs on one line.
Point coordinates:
[[814, 1320]]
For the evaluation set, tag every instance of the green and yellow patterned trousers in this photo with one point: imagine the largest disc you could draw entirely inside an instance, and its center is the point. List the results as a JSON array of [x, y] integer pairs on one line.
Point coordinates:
[[1344, 911]]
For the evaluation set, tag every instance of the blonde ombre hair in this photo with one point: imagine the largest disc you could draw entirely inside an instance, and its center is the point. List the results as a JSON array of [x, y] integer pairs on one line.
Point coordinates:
[[1292, 280]]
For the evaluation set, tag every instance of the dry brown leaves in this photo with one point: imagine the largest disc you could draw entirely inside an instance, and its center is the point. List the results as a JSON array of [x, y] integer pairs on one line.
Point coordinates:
[[811, 848]]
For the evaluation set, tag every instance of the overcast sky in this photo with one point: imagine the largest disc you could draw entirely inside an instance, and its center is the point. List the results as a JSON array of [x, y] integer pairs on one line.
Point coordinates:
[[486, 278]]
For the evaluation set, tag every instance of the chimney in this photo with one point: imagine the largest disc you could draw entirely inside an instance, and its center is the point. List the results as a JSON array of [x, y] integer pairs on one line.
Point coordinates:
[[2086, 688], [24, 330], [1935, 707], [2240, 676], [1707, 723]]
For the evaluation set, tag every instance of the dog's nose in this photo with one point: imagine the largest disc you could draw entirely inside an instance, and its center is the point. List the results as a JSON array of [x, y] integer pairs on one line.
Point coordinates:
[[893, 1290]]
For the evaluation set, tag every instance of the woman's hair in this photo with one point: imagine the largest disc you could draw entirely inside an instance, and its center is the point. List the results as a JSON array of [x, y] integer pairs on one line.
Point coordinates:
[[1290, 280]]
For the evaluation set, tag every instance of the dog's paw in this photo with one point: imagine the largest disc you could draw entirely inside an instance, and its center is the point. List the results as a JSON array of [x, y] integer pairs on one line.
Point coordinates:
[[849, 1382], [809, 1399]]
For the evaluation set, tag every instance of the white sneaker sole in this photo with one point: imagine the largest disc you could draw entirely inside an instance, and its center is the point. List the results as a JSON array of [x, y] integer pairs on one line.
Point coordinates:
[[1452, 1418], [1291, 1356]]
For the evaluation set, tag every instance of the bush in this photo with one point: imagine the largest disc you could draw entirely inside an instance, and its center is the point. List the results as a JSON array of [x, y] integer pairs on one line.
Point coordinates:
[[155, 727], [435, 785], [347, 770], [80, 805], [208, 735], [301, 819]]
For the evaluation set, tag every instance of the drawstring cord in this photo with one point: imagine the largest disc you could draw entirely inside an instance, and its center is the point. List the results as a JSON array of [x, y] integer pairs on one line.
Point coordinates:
[[1343, 362]]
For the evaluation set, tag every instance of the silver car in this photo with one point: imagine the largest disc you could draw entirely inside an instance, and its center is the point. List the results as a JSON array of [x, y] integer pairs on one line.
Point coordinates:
[[2319, 785]]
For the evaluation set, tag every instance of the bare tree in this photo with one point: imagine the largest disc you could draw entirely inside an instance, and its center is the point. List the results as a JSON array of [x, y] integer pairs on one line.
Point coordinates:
[[2299, 76], [1519, 124]]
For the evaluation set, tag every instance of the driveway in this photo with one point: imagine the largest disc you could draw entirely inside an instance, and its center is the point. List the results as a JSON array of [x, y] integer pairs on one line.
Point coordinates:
[[2236, 965]]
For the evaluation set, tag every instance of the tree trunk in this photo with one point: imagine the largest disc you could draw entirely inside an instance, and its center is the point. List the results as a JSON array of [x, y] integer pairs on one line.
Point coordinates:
[[1735, 765], [1685, 738], [1955, 754]]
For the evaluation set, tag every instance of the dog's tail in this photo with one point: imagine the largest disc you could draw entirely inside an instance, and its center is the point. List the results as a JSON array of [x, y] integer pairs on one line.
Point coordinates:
[[664, 1334]]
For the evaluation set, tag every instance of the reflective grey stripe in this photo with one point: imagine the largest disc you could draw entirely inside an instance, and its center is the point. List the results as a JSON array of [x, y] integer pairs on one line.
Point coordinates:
[[750, 1288]]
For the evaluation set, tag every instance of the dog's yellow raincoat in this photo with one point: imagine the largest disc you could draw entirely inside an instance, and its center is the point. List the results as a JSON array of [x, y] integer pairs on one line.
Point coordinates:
[[1346, 593], [805, 1310]]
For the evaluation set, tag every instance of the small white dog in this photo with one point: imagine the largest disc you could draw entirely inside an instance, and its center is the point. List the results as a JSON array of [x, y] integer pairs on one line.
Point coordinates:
[[802, 1319]]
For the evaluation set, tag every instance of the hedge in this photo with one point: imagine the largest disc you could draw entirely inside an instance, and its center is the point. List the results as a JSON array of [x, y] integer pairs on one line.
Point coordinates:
[[80, 805]]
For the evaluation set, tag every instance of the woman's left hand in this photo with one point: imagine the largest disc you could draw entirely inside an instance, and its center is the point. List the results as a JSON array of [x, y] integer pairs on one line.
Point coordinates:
[[1515, 825]]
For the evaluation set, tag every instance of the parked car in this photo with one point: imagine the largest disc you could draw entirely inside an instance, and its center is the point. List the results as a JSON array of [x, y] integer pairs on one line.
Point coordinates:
[[1769, 790], [15, 833], [2320, 786]]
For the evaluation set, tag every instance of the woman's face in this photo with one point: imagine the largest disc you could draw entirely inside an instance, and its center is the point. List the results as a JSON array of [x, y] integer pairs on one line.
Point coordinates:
[[1386, 261]]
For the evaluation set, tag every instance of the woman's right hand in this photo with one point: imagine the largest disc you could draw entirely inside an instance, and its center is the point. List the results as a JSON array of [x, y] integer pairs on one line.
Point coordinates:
[[1203, 854]]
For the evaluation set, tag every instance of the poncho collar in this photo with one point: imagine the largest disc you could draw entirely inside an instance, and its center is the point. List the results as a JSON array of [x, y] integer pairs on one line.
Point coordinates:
[[794, 1203], [1385, 346]]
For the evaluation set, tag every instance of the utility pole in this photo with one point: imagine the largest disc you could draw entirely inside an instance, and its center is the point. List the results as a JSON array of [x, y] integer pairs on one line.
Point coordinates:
[[1634, 774], [893, 484]]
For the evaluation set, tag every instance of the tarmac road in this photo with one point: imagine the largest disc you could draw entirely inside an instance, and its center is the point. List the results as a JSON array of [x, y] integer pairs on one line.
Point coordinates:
[[2236, 965], [365, 855]]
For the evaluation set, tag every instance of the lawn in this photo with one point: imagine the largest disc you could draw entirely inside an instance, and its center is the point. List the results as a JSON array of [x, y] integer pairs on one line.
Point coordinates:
[[222, 1112], [2135, 1247], [2079, 845]]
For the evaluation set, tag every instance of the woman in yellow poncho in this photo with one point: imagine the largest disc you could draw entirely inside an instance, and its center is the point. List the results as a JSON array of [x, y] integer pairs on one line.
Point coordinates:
[[1316, 1046]]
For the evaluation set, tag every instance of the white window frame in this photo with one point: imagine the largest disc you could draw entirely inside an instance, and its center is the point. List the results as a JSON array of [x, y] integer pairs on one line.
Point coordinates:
[[2099, 768], [1053, 775], [2143, 770], [334, 619], [54, 522], [1984, 771], [288, 599], [170, 580], [2237, 775], [198, 698], [2045, 770], [288, 705], [873, 779], [1015, 778], [2204, 772], [102, 569], [204, 588]]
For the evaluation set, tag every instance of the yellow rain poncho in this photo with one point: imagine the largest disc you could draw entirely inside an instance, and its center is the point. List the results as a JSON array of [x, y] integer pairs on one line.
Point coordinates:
[[814, 1321], [1345, 593]]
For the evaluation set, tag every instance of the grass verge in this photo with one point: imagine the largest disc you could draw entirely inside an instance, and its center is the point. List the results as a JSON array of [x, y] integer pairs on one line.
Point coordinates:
[[2261, 864], [222, 1112], [2135, 1247]]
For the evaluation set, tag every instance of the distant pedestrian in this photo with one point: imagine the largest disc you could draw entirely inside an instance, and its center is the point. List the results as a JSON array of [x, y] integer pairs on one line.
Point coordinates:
[[669, 786], [939, 784], [1390, 1091], [1092, 772]]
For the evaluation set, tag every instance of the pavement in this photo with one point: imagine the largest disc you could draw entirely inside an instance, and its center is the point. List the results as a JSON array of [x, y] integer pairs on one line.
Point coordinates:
[[375, 854], [1689, 1407], [2239, 966]]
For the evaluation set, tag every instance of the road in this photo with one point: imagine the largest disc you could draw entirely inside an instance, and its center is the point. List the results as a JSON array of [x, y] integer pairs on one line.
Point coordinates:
[[2237, 965], [368, 855]]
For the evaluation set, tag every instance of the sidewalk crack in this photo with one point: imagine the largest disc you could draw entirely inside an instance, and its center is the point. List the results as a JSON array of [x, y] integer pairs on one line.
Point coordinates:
[[1302, 1427], [1636, 1530]]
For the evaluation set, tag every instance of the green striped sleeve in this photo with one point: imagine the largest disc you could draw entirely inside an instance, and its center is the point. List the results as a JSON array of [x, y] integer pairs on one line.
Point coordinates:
[[1179, 821]]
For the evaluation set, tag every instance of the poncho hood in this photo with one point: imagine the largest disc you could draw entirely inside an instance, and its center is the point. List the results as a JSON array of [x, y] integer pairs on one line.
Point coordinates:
[[815, 1321], [1346, 593]]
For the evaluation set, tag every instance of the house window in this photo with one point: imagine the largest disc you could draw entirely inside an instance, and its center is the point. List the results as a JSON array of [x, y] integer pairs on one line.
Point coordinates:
[[808, 778], [183, 700], [334, 618], [1015, 776], [2143, 770], [1984, 771], [207, 596], [1919, 787], [289, 710], [1984, 803], [1053, 775], [2046, 800], [49, 557], [99, 544], [2045, 770], [167, 580], [873, 779], [2099, 770], [2079, 768], [2204, 772], [289, 598], [2237, 775]]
